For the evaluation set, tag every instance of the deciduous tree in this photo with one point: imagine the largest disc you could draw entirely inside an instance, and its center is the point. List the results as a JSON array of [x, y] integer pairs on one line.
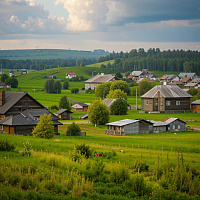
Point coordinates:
[[64, 103], [123, 85], [119, 107], [98, 113], [44, 128], [115, 94], [144, 86], [102, 90], [13, 82]]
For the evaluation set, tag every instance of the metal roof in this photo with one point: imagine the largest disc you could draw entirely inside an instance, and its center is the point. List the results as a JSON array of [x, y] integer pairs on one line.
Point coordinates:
[[166, 91], [169, 120], [109, 102], [99, 78], [81, 104], [125, 122], [186, 79], [187, 74], [197, 102], [62, 111], [11, 98], [136, 73], [191, 84], [158, 123], [27, 118]]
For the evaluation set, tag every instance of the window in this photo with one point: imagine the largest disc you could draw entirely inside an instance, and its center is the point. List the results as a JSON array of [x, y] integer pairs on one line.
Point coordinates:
[[1, 127], [179, 127], [36, 118], [168, 103], [147, 102], [173, 126], [156, 103], [178, 103]]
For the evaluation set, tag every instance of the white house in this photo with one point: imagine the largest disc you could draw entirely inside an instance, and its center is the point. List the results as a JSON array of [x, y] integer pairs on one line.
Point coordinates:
[[70, 75]]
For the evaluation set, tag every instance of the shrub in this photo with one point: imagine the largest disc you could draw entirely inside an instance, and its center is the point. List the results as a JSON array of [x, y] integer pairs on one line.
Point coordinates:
[[13, 82], [27, 151], [5, 145], [74, 90], [66, 84], [84, 150], [73, 128], [54, 107]]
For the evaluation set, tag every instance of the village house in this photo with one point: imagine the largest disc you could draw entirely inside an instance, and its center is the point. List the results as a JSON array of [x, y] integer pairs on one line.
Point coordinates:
[[186, 80], [98, 79], [51, 76], [13, 103], [168, 124], [191, 75], [23, 123], [179, 83], [11, 73], [70, 75], [169, 78], [191, 85], [79, 106], [166, 98], [129, 126], [196, 80], [109, 103], [136, 75], [4, 86], [195, 106], [24, 71], [64, 114], [1, 72]]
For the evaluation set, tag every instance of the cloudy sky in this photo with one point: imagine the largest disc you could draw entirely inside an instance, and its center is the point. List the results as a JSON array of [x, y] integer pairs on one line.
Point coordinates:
[[107, 24]]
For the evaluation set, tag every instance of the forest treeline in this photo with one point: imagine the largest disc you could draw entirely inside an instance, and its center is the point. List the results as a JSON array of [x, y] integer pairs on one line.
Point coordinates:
[[154, 59], [40, 64]]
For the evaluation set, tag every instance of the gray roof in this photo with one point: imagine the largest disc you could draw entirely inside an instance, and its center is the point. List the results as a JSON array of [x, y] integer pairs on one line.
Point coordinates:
[[136, 73], [125, 122], [166, 91], [62, 111], [11, 98], [169, 120], [109, 102], [196, 80], [99, 78], [187, 74], [158, 123], [197, 102], [81, 104], [28, 118]]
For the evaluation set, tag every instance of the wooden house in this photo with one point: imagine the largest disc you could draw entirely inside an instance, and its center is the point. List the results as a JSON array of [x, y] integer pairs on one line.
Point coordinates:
[[24, 71], [195, 106], [64, 114], [129, 126], [23, 123], [93, 82], [51, 76], [174, 124], [166, 98], [79, 106], [13, 103], [3, 85]]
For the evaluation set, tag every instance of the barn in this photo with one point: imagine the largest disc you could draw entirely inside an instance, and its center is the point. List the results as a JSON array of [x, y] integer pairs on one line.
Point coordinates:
[[129, 126], [64, 114]]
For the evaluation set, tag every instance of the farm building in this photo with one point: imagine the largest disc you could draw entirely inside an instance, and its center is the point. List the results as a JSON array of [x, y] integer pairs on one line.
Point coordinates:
[[99, 79], [13, 103], [64, 114], [23, 123], [79, 106], [11, 73], [51, 76], [159, 126], [129, 126], [195, 106], [24, 71], [166, 99], [109, 103], [3, 85], [174, 124], [70, 75]]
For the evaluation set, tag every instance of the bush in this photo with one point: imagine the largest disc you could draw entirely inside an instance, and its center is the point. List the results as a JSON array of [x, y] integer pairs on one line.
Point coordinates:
[[5, 145], [27, 151], [73, 128], [66, 84], [83, 150], [74, 90], [13, 82], [54, 107]]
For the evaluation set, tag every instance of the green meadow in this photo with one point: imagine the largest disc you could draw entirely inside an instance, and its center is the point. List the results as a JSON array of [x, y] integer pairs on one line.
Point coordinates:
[[149, 166]]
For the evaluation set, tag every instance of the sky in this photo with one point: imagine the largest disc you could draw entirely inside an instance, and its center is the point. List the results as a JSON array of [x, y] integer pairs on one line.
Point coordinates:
[[112, 25]]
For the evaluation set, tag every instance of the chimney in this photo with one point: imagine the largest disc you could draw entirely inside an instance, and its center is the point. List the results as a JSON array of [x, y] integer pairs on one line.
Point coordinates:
[[2, 98]]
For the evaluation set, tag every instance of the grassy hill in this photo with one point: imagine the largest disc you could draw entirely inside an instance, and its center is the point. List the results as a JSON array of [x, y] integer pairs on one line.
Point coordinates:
[[50, 54]]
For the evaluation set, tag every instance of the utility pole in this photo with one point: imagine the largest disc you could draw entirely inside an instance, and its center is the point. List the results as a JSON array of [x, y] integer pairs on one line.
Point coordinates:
[[136, 98]]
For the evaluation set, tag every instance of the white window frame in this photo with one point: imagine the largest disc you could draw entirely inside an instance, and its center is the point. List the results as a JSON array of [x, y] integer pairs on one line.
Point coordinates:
[[168, 103], [178, 103]]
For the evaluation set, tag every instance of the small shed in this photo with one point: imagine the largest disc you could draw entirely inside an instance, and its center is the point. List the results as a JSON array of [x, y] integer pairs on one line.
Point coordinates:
[[174, 124], [64, 114], [195, 106], [159, 126], [129, 126]]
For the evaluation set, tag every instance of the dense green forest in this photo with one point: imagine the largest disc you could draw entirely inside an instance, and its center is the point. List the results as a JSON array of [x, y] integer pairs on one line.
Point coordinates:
[[154, 59]]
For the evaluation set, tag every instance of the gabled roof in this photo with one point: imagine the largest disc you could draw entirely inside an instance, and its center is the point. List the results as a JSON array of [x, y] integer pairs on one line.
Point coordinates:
[[11, 98], [158, 123], [197, 102], [71, 73], [186, 79], [125, 122], [191, 84], [109, 102], [196, 80], [187, 74], [163, 77], [27, 118], [166, 91], [81, 104], [136, 73], [62, 111], [169, 76], [99, 78], [176, 83], [169, 120]]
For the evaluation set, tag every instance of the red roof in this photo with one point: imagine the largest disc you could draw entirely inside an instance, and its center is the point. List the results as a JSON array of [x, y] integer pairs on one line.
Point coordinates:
[[71, 73], [130, 76], [176, 83], [163, 77], [186, 79]]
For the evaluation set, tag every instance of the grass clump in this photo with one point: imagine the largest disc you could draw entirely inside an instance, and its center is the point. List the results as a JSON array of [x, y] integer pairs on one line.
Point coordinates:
[[5, 145]]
